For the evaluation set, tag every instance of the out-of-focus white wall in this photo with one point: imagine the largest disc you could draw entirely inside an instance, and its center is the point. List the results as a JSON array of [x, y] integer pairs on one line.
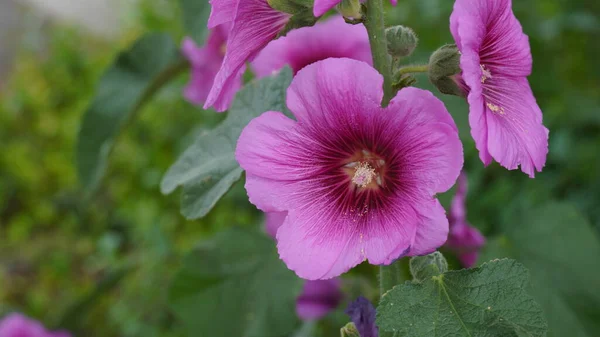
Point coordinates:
[[102, 17]]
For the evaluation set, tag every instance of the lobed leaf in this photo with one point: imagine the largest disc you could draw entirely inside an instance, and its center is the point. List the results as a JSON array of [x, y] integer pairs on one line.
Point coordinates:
[[561, 251], [132, 79], [208, 169], [490, 300], [235, 285]]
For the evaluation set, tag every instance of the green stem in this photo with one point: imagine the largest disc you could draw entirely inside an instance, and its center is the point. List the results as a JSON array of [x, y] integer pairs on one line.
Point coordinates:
[[390, 276], [414, 69], [381, 60]]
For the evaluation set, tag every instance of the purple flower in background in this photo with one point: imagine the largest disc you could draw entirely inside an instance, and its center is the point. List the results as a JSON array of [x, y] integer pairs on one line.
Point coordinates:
[[362, 313], [17, 325], [318, 298], [307, 45], [205, 63], [358, 181], [463, 238], [322, 6], [505, 120], [253, 25]]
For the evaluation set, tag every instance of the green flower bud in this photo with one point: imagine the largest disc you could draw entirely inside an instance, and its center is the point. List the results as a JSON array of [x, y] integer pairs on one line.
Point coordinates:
[[425, 267], [401, 41], [444, 66], [350, 9], [349, 330]]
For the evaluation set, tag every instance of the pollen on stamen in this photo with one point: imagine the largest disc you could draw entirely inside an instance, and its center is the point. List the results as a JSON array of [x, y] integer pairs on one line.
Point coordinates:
[[485, 73], [364, 175], [496, 109]]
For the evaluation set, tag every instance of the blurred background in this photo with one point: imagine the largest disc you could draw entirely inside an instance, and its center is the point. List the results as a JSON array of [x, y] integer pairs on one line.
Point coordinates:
[[102, 267]]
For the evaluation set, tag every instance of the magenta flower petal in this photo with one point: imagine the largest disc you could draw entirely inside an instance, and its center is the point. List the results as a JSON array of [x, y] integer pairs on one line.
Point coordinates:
[[322, 6], [505, 119], [17, 325], [318, 298], [273, 221], [433, 230], [310, 96], [255, 24], [205, 63], [357, 180], [221, 11], [464, 239], [304, 46]]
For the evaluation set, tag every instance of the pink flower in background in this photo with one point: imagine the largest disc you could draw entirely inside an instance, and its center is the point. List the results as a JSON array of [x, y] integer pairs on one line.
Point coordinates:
[[358, 181], [505, 120], [322, 6], [318, 298], [254, 25], [463, 238], [205, 63], [17, 325], [307, 45]]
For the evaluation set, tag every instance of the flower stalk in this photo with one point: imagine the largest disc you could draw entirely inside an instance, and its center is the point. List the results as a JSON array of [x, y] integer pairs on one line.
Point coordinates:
[[381, 59]]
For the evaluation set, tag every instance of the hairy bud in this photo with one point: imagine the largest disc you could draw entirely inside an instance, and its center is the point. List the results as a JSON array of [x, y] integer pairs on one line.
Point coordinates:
[[349, 330], [425, 267], [444, 70], [401, 41]]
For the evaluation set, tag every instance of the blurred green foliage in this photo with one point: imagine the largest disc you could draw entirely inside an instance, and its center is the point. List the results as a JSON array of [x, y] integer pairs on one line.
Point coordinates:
[[55, 249]]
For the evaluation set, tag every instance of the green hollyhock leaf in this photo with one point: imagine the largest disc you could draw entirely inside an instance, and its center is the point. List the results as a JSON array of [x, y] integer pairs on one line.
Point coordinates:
[[488, 301], [195, 15], [235, 285], [208, 169], [562, 252], [133, 78]]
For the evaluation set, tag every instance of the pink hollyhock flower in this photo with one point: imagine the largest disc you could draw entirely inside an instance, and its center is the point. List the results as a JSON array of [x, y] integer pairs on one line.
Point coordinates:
[[205, 63], [322, 6], [505, 120], [318, 298], [464, 239], [254, 25], [358, 181], [17, 325], [304, 46]]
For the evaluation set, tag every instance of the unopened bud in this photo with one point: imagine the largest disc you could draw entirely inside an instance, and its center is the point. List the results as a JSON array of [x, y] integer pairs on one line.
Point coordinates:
[[444, 70], [349, 330], [425, 267], [350, 9], [401, 41]]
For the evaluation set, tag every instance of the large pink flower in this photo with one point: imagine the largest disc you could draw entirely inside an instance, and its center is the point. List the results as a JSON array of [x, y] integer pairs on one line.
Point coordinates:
[[505, 119], [358, 181], [322, 6], [254, 25], [464, 239], [304, 46], [17, 325], [206, 62], [318, 298]]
